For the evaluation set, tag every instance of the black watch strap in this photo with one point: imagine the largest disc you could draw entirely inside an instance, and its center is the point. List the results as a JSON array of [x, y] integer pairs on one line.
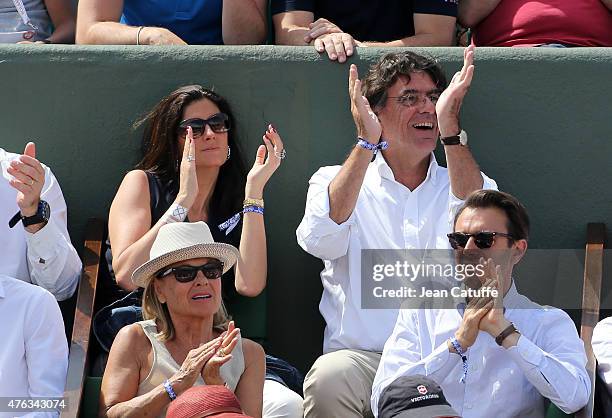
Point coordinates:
[[41, 215], [451, 140]]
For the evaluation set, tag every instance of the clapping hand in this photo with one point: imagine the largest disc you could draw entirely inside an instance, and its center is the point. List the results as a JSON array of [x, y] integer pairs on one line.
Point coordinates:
[[366, 121], [211, 371], [267, 161], [449, 103]]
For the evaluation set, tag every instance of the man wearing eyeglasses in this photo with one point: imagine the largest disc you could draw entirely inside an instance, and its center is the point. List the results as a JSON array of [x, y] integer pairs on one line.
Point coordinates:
[[389, 194], [496, 356]]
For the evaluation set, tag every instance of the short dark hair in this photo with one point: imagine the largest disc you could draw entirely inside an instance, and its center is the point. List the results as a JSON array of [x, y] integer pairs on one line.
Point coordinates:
[[390, 67], [161, 154], [518, 220]]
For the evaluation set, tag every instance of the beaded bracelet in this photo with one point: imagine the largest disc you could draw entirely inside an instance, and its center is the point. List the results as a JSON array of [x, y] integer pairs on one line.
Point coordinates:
[[252, 202], [231, 223], [169, 390], [382, 145], [464, 359]]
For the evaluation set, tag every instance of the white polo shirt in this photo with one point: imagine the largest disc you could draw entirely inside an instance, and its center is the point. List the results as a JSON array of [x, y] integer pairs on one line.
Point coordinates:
[[387, 215]]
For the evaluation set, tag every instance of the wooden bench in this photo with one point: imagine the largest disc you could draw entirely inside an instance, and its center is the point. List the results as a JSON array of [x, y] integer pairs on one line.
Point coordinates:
[[81, 332], [591, 297]]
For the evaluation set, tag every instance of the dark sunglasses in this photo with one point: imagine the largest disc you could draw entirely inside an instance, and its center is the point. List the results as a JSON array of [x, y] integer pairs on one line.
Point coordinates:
[[219, 123], [482, 240], [185, 274]]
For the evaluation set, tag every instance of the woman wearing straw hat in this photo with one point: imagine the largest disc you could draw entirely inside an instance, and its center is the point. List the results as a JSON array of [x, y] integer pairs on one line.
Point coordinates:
[[192, 170], [185, 339]]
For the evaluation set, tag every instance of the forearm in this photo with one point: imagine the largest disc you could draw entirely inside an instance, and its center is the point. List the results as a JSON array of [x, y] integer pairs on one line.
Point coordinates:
[[292, 35], [423, 39], [63, 34], [149, 404], [251, 269], [107, 33], [52, 260], [243, 23], [463, 171], [563, 382], [344, 188], [471, 12]]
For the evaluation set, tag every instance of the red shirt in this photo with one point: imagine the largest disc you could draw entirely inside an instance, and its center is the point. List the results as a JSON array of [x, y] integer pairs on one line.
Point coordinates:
[[533, 22]]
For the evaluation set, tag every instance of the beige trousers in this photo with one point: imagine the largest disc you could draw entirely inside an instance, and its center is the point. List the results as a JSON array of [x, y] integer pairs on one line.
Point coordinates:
[[339, 385]]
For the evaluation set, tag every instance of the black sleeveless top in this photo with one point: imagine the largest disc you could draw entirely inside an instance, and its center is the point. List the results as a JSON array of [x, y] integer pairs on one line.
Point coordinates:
[[162, 195]]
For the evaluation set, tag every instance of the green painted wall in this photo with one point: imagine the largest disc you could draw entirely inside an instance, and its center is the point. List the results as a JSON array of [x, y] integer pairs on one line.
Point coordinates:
[[538, 119]]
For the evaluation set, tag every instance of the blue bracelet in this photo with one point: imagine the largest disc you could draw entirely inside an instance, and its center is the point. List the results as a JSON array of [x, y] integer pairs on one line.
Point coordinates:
[[253, 208], [231, 223], [382, 145], [169, 390], [459, 351]]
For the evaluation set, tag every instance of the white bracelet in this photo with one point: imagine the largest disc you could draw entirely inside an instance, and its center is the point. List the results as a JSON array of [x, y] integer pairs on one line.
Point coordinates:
[[175, 213]]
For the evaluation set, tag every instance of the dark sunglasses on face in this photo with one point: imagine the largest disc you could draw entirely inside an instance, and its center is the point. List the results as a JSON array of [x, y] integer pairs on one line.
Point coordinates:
[[219, 123], [183, 274], [482, 240]]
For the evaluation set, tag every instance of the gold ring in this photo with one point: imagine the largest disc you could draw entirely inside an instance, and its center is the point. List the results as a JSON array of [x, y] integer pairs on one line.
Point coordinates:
[[221, 352], [31, 182]]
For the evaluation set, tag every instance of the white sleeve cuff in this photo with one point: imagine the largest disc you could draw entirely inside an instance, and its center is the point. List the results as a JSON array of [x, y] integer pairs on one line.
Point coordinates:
[[43, 244]]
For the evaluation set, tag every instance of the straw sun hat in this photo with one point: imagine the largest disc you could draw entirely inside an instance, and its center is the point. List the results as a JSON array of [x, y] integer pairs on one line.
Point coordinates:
[[183, 241]]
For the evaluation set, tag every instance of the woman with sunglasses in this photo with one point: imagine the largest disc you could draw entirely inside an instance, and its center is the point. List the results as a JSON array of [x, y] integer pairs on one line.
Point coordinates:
[[192, 170], [186, 338]]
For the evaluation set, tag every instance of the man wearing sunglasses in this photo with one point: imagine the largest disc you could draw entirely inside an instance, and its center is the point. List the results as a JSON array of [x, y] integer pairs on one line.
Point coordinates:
[[390, 193], [494, 356]]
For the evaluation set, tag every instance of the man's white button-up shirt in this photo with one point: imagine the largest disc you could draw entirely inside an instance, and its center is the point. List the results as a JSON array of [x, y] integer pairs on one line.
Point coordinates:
[[46, 258], [34, 351], [387, 215], [548, 362]]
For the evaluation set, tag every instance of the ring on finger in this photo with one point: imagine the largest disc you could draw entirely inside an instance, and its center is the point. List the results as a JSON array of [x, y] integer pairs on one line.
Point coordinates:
[[190, 158], [280, 154], [221, 352], [31, 182]]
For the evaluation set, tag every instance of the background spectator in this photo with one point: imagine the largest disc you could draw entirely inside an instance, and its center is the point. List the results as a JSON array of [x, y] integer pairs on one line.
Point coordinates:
[[185, 324], [536, 23], [40, 21], [602, 348], [34, 354], [338, 26], [201, 22], [39, 252], [211, 186]]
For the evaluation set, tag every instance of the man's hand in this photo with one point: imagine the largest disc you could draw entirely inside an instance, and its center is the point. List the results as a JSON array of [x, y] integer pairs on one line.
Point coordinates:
[[494, 322], [29, 179], [449, 103], [320, 27], [159, 36], [475, 310], [366, 121], [338, 46]]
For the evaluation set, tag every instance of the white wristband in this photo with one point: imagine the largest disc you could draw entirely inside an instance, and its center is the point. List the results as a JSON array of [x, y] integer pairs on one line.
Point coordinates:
[[175, 213]]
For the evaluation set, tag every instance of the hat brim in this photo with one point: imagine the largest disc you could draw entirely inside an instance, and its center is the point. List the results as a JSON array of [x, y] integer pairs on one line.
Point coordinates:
[[226, 253], [432, 411]]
